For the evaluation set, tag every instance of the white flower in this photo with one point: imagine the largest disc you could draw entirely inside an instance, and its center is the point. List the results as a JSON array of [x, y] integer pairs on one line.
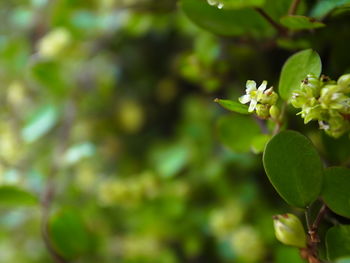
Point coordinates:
[[253, 95]]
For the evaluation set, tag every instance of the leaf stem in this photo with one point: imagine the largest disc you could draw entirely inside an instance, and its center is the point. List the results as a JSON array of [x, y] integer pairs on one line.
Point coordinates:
[[293, 7], [280, 29]]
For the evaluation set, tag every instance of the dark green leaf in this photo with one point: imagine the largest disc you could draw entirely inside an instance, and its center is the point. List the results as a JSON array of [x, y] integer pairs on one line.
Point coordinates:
[[237, 132], [294, 168], [13, 196], [226, 22], [295, 70], [300, 22], [68, 233], [336, 193], [338, 242], [233, 106]]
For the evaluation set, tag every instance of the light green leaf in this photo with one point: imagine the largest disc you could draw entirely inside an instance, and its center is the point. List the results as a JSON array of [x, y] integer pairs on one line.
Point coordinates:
[[233, 106], [235, 4], [237, 132], [323, 7], [295, 22], [294, 168], [79, 151], [68, 233], [14, 196], [295, 70], [226, 22], [338, 242], [259, 142], [335, 191], [42, 122]]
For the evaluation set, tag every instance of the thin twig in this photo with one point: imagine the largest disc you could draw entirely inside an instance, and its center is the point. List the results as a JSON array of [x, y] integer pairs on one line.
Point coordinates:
[[293, 7], [280, 29], [319, 217]]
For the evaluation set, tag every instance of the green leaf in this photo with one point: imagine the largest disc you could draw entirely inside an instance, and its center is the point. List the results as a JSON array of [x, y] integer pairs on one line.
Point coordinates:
[[235, 4], [68, 233], [226, 22], [335, 191], [259, 142], [323, 7], [286, 254], [338, 242], [79, 151], [343, 260], [14, 196], [233, 106], [295, 70], [237, 132], [294, 168], [295, 22], [41, 122]]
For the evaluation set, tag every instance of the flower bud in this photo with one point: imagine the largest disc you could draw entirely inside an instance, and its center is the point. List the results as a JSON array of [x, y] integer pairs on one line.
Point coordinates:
[[344, 81], [289, 230], [262, 111], [274, 112]]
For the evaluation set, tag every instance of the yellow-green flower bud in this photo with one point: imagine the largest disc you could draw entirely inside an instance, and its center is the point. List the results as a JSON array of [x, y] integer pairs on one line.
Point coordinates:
[[298, 99], [274, 112], [262, 110], [289, 230], [311, 85], [344, 81]]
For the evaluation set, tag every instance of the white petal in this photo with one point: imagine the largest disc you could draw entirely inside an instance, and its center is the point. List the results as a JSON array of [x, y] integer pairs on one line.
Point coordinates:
[[263, 85], [244, 99], [252, 105], [250, 85]]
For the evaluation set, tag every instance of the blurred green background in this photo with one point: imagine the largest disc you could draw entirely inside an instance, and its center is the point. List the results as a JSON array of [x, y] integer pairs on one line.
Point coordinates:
[[111, 147]]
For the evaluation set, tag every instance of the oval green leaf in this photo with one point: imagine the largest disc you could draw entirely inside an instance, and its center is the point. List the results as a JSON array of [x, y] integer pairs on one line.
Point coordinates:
[[237, 132], [335, 192], [233, 106], [294, 168], [40, 123], [236, 4], [295, 22], [338, 242], [14, 197], [295, 70], [226, 22], [68, 234]]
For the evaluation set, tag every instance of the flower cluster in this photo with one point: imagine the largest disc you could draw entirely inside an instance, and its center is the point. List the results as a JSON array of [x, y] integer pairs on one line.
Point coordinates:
[[261, 99], [326, 101]]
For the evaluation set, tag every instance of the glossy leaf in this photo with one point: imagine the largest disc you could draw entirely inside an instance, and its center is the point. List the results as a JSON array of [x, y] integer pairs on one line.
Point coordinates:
[[300, 22], [335, 191], [226, 22], [295, 70], [294, 168], [14, 196], [233, 106], [41, 123], [68, 233], [237, 132], [338, 242], [236, 4]]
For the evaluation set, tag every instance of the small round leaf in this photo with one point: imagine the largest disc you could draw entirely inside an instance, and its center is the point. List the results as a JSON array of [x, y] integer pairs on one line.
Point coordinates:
[[296, 69], [335, 191], [294, 168], [338, 242]]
